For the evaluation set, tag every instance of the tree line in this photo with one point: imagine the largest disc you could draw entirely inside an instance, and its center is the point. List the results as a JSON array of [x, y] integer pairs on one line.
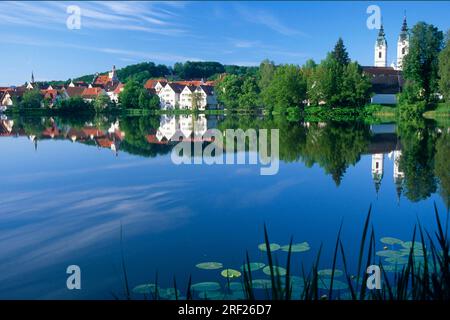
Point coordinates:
[[335, 82]]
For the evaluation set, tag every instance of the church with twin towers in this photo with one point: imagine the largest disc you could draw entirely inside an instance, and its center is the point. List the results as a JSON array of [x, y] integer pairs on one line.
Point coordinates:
[[387, 82], [381, 48]]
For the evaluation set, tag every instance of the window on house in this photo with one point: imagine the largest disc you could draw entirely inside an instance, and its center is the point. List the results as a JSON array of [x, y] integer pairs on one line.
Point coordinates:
[[376, 165], [403, 50], [379, 54]]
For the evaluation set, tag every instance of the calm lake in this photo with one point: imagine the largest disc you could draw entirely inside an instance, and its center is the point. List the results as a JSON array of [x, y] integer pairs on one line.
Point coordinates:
[[69, 186]]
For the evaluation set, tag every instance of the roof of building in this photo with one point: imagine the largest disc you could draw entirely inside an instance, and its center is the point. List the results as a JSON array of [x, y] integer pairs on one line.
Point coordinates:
[[119, 88], [91, 92], [209, 90], [176, 87], [151, 83], [101, 79], [385, 80], [75, 91]]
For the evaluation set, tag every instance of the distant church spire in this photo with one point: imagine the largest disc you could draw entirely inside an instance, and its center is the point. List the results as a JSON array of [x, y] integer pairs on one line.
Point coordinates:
[[32, 77], [381, 49], [402, 44]]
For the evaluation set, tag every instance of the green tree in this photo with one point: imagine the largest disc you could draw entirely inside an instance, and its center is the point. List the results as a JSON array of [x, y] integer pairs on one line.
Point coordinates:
[[266, 72], [286, 90], [31, 99], [325, 82], [355, 88], [420, 65], [249, 98], [444, 69], [229, 90], [135, 96], [101, 103], [340, 53]]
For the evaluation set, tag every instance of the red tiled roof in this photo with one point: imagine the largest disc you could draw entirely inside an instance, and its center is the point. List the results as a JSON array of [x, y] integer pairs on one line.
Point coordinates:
[[75, 91], [119, 88], [104, 142], [91, 92], [102, 79], [151, 83]]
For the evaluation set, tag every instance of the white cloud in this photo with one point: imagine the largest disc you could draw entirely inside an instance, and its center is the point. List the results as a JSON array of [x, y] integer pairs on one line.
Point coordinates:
[[269, 20]]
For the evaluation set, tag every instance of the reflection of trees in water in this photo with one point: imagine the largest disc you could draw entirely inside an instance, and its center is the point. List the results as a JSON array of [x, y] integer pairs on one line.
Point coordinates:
[[417, 160], [442, 165], [335, 146], [136, 130]]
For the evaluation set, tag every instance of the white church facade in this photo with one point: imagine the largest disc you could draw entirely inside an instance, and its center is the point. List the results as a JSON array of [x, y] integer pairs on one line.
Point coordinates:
[[387, 81]]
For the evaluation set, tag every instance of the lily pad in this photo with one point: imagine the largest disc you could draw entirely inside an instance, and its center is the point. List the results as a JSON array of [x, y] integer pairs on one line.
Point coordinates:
[[391, 240], [416, 252], [328, 272], [235, 286], [409, 244], [253, 266], [273, 247], [209, 265], [211, 295], [297, 247], [324, 283], [206, 286], [169, 293], [397, 260], [389, 253], [276, 270], [261, 284], [149, 288], [230, 273]]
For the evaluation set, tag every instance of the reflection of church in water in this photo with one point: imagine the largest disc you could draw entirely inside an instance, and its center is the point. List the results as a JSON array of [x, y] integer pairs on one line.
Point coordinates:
[[385, 143]]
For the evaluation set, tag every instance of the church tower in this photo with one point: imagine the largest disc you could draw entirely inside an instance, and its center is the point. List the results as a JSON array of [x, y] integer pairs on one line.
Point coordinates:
[[377, 169], [398, 174], [113, 75], [402, 44], [381, 49]]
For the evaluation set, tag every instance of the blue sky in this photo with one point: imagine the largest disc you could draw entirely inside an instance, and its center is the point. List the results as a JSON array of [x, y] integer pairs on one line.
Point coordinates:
[[34, 36]]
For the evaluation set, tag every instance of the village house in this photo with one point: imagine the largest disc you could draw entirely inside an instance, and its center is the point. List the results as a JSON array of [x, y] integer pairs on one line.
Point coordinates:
[[90, 94]]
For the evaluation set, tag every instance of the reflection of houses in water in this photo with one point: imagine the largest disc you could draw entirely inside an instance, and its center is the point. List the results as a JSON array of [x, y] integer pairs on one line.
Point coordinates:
[[384, 141], [90, 135], [181, 128]]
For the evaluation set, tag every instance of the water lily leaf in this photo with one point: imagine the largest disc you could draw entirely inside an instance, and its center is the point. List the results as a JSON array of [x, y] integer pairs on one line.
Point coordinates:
[[206, 286], [211, 295], [409, 244], [389, 253], [149, 288], [253, 266], [230, 273], [391, 240], [209, 265], [416, 252], [169, 293], [261, 284], [276, 270], [273, 247], [324, 283], [397, 260], [235, 286], [328, 272], [297, 247]]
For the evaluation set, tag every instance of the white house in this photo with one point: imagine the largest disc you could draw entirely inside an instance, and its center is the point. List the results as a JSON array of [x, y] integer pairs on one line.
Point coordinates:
[[170, 96]]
